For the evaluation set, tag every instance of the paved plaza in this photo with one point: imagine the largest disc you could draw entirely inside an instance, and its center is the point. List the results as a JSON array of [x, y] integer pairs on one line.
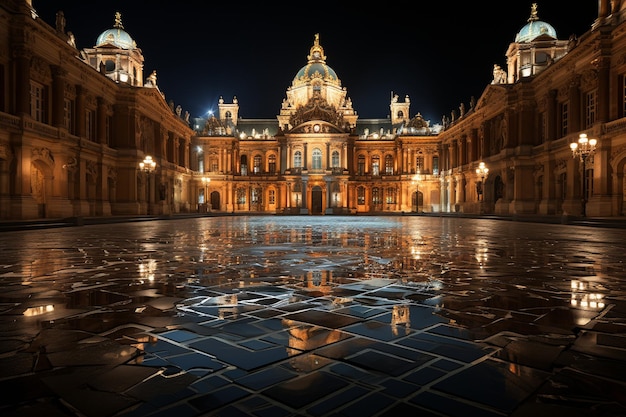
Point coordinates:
[[273, 316]]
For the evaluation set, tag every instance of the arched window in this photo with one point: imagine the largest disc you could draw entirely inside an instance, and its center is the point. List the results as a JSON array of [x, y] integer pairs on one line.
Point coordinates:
[[297, 159], [335, 159], [317, 159], [388, 165]]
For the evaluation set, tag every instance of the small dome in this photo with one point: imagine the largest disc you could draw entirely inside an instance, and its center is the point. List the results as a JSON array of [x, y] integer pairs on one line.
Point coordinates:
[[116, 36], [535, 28]]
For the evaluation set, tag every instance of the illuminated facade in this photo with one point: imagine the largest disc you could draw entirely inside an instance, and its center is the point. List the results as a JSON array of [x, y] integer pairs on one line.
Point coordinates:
[[74, 126]]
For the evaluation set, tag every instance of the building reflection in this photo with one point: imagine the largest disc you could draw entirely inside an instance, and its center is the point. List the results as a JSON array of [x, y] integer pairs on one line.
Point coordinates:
[[400, 318], [306, 337], [38, 310], [584, 298]]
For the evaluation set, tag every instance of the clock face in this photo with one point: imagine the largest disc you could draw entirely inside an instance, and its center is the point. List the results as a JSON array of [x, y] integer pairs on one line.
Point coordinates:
[[316, 128]]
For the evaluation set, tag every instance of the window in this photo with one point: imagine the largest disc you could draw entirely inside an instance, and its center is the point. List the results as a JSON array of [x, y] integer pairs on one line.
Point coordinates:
[[243, 160], [68, 116], [375, 165], [256, 196], [297, 159], [272, 197], [376, 197], [213, 164], [200, 162], [419, 163], [390, 197], [335, 159], [435, 165], [257, 164], [90, 125], [38, 106], [590, 108], [317, 159], [361, 165], [241, 196], [564, 119], [389, 165], [360, 195], [272, 164]]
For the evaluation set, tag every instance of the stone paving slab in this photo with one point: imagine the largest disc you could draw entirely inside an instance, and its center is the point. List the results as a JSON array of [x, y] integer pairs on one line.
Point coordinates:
[[314, 316]]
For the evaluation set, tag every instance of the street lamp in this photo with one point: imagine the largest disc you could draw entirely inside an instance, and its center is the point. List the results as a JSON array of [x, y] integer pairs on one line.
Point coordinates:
[[482, 172], [416, 181], [583, 149], [148, 166], [206, 181]]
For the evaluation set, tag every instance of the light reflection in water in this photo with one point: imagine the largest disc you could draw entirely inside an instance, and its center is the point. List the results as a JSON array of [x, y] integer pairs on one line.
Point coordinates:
[[39, 310], [583, 298]]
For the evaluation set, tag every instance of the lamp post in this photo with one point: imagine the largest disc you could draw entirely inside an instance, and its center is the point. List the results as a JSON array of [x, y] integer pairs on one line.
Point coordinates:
[[148, 165], [416, 181], [482, 172], [206, 181], [583, 149]]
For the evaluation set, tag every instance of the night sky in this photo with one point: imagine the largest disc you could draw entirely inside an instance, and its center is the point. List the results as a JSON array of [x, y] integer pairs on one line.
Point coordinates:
[[440, 53]]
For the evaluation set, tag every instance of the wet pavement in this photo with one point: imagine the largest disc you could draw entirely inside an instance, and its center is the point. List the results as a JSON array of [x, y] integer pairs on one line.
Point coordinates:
[[313, 316]]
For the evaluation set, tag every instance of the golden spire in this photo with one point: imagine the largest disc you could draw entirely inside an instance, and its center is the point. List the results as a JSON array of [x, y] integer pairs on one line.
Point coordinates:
[[316, 53], [118, 21], [533, 13]]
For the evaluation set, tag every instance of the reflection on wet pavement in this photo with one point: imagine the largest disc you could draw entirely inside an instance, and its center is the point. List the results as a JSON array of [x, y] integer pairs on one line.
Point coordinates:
[[314, 316]]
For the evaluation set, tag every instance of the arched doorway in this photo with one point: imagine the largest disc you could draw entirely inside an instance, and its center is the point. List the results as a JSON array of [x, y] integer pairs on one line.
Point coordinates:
[[316, 200]]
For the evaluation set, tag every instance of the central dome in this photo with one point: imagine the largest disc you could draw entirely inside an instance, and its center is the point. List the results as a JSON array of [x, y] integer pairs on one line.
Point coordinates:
[[116, 36], [316, 67]]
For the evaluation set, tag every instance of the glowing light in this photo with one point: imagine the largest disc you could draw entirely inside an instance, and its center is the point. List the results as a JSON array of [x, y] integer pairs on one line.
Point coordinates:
[[39, 310]]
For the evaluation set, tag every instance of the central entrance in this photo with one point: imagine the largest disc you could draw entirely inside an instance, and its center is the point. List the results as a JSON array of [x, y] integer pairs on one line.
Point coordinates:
[[316, 200]]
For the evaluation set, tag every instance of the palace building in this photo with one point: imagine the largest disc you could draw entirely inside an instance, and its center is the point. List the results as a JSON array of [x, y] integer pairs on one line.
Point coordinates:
[[87, 133]]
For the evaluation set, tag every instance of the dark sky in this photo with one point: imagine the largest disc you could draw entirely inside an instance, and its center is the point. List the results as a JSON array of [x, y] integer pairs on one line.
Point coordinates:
[[440, 53]]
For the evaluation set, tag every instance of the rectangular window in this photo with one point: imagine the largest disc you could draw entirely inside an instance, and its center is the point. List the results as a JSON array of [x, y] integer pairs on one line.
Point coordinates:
[[564, 119], [360, 195], [361, 165], [590, 108], [376, 199], [390, 196], [213, 165], [90, 125], [68, 116], [435, 165], [272, 197], [419, 163], [38, 106]]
